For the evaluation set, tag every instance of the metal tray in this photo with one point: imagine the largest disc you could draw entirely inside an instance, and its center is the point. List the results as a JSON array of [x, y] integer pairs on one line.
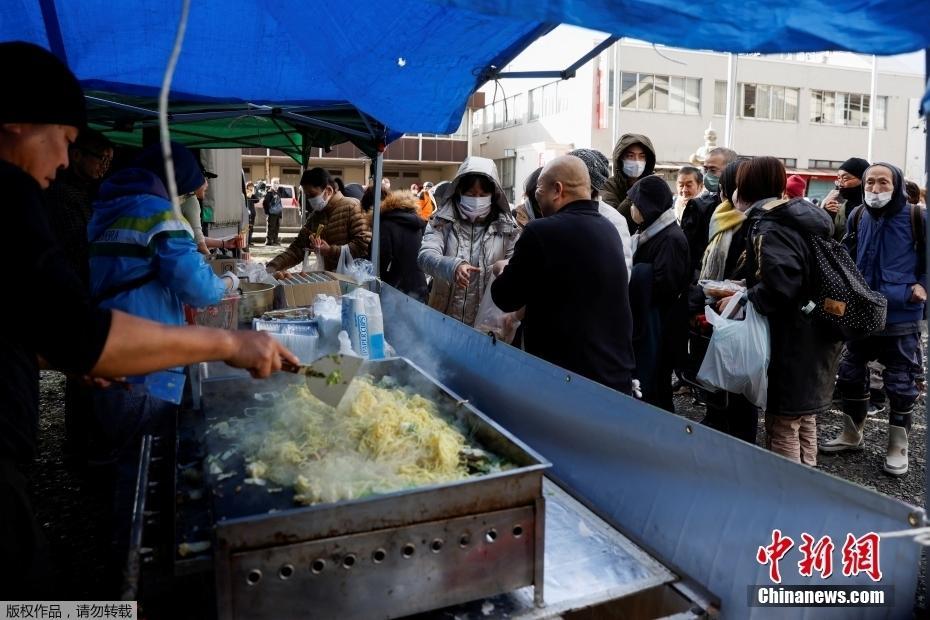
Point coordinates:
[[490, 528]]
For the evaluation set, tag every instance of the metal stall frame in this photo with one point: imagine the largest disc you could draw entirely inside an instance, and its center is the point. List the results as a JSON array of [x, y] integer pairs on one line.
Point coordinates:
[[700, 501]]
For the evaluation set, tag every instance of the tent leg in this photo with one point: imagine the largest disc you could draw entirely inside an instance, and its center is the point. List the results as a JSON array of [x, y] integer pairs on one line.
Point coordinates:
[[376, 216]]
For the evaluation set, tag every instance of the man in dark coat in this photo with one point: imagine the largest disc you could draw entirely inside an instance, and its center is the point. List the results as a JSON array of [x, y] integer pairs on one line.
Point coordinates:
[[401, 235], [68, 207], [892, 261], [584, 323], [634, 157], [661, 275]]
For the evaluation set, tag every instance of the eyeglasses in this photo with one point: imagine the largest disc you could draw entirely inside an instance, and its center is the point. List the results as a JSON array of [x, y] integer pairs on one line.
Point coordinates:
[[844, 178]]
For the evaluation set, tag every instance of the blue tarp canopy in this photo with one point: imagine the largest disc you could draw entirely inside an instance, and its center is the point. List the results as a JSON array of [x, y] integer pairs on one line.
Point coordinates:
[[404, 66]]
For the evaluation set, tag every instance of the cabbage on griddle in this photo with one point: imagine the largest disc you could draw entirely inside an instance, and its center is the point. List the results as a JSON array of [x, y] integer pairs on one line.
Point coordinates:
[[382, 438]]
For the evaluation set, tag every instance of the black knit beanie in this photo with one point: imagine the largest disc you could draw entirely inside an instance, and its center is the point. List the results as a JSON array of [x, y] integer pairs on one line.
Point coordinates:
[[855, 166], [42, 89]]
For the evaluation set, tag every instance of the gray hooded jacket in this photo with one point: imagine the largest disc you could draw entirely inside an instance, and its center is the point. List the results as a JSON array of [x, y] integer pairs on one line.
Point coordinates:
[[451, 239]]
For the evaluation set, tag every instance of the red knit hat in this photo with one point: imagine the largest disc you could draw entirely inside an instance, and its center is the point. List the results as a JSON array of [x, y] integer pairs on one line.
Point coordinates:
[[796, 187]]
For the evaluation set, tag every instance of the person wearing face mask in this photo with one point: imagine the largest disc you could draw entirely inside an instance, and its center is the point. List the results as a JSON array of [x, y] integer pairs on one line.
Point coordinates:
[[803, 355], [728, 413], [470, 231], [633, 158], [660, 277], [584, 323], [846, 194], [343, 221], [885, 237]]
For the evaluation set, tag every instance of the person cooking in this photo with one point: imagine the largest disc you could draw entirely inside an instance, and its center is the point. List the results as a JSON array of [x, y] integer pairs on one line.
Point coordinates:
[[62, 328]]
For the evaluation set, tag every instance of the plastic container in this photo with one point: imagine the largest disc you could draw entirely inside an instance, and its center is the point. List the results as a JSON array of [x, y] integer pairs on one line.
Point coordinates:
[[223, 315]]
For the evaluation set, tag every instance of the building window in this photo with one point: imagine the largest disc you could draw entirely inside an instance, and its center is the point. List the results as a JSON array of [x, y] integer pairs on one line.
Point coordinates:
[[546, 100], [477, 121], [659, 93], [824, 164], [847, 109], [760, 101], [505, 168], [789, 162], [503, 113]]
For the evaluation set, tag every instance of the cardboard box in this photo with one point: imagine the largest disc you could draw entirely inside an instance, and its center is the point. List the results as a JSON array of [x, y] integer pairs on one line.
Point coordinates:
[[304, 294], [223, 265]]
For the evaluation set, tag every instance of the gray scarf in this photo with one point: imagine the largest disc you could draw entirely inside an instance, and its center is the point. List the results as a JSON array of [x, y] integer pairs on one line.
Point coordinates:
[[662, 222]]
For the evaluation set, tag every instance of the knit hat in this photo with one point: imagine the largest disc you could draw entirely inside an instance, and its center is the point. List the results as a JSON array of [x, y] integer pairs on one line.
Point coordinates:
[[187, 172], [598, 166], [42, 89], [796, 186], [652, 198], [855, 166]]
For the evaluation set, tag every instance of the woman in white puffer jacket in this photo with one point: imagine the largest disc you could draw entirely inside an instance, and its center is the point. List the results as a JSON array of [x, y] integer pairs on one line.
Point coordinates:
[[471, 230]]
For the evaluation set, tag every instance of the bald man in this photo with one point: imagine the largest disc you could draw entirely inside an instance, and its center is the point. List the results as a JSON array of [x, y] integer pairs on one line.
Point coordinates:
[[568, 271]]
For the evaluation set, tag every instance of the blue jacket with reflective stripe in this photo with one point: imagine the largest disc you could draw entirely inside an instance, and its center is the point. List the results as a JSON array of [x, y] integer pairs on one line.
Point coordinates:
[[134, 232]]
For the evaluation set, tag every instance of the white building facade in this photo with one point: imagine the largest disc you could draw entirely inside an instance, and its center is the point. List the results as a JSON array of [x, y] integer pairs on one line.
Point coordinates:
[[811, 111]]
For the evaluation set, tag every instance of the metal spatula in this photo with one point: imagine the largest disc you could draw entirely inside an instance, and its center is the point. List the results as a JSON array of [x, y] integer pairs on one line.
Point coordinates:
[[329, 377]]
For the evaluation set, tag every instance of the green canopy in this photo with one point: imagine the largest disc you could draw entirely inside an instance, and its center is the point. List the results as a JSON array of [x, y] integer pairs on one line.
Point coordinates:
[[290, 129]]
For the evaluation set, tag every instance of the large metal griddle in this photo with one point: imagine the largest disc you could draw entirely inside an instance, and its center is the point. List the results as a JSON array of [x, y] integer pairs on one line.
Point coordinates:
[[380, 556]]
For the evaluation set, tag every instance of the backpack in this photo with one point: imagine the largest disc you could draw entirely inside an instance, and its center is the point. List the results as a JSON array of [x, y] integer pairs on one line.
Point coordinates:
[[272, 203], [841, 300], [918, 234], [840, 297]]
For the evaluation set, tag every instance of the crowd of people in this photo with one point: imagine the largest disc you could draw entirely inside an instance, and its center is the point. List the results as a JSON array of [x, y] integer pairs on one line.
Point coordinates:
[[602, 263]]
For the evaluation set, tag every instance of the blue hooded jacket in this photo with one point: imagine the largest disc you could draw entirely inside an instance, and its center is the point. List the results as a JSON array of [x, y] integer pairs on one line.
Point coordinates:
[[887, 255], [133, 233]]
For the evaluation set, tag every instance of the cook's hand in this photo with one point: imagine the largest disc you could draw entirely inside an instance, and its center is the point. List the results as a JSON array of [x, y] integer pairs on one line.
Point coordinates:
[[918, 294], [259, 353], [723, 303], [498, 267], [832, 206], [463, 274], [281, 275]]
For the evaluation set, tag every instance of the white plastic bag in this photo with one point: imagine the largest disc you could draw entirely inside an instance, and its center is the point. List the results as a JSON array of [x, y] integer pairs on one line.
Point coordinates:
[[737, 358], [492, 319], [344, 266], [360, 269]]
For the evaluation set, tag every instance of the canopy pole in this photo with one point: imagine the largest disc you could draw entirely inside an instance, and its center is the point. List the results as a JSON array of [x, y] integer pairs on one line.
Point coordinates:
[[872, 102], [376, 216], [615, 118], [728, 137], [927, 265]]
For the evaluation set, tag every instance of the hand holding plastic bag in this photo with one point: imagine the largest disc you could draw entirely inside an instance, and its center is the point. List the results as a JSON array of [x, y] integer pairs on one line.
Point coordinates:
[[737, 358], [492, 319]]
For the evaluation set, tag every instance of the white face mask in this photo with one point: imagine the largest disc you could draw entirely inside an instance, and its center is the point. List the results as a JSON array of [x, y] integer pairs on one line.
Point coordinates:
[[878, 201], [633, 169], [474, 207], [317, 203]]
